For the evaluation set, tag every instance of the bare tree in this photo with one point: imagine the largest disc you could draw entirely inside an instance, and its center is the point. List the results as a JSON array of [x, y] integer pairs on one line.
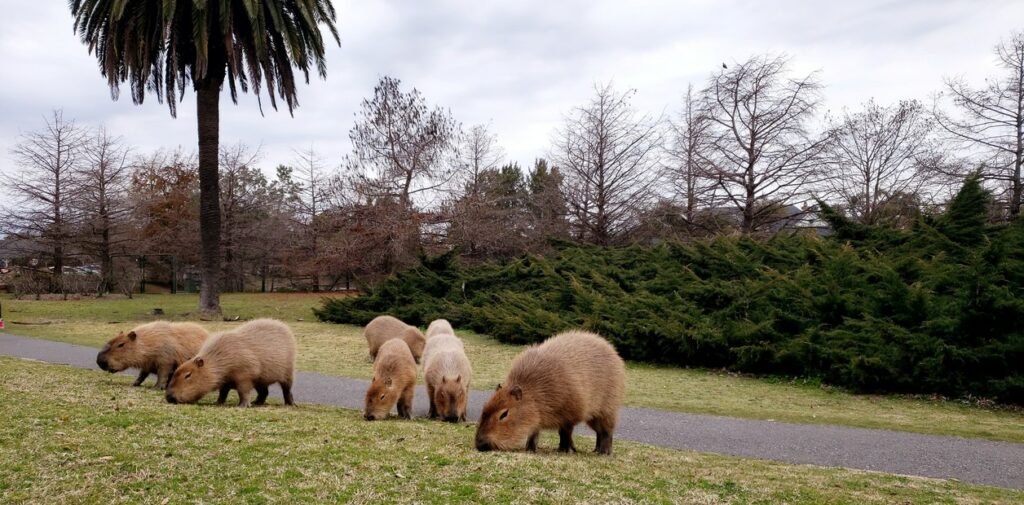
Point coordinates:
[[479, 153], [45, 188], [608, 155], [762, 154], [103, 177], [689, 166], [990, 121], [400, 146], [243, 209], [877, 157], [312, 186]]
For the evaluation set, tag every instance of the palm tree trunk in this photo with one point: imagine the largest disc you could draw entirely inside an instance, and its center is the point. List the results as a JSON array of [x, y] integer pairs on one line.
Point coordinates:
[[208, 116]]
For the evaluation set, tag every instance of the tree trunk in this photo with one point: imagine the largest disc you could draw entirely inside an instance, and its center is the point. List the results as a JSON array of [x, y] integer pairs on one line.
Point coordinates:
[[208, 116]]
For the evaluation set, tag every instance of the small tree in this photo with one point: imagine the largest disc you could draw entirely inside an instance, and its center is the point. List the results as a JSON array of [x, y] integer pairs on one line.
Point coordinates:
[[762, 154], [400, 146], [990, 121], [876, 157], [103, 202], [45, 189], [609, 156], [689, 167]]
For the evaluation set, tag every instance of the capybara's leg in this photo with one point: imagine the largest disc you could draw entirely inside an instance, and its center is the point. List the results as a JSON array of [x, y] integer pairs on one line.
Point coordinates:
[[222, 396], [531, 443], [143, 374], [604, 428], [163, 376], [430, 397], [565, 439], [244, 393], [286, 391], [405, 402], [262, 390]]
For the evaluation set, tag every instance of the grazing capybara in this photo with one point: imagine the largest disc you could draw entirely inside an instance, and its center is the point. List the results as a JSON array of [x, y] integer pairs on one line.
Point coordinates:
[[571, 378], [252, 356], [157, 347], [447, 373], [384, 328], [439, 327], [394, 381]]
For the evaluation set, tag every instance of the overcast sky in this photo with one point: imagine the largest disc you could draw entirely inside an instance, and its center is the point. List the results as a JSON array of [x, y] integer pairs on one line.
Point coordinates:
[[519, 65]]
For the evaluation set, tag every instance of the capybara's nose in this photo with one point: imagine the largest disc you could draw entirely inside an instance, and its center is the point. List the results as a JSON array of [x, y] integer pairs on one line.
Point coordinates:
[[452, 419], [369, 417], [170, 398], [101, 360], [483, 446]]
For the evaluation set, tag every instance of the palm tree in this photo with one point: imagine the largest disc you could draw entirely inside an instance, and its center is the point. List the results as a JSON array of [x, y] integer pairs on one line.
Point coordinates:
[[164, 45]]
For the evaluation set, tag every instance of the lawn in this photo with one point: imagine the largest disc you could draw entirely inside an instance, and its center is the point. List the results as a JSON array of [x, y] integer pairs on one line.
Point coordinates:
[[78, 436], [341, 350]]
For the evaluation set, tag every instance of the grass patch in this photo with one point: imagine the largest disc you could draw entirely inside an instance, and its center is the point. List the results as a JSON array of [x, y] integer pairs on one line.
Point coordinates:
[[78, 436], [341, 350]]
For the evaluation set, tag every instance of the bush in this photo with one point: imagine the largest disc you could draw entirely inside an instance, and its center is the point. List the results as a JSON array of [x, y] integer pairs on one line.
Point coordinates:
[[936, 309]]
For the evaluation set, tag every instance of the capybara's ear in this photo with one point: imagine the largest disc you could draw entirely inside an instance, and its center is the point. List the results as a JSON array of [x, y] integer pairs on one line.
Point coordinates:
[[498, 388], [458, 378], [131, 335], [516, 392], [199, 362], [444, 380], [387, 382]]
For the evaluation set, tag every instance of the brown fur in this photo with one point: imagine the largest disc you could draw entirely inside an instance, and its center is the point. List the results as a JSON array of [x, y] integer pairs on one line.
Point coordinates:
[[394, 381], [571, 378], [439, 327], [384, 328], [252, 356], [447, 372], [157, 347]]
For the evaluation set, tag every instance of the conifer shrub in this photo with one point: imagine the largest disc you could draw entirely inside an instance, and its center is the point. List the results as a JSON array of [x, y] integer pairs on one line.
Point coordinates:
[[938, 309]]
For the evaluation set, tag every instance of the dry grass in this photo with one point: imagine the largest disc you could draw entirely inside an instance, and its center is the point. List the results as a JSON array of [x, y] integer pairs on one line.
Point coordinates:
[[77, 436], [341, 350]]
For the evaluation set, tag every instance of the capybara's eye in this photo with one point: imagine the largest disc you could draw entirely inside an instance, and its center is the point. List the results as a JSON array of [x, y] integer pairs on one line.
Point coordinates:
[[503, 415], [121, 344], [188, 375], [381, 397]]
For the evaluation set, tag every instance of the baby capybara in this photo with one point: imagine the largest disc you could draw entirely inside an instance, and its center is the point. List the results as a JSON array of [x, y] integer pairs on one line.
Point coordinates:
[[439, 327], [571, 378], [447, 373], [157, 347], [384, 328], [252, 356], [394, 381]]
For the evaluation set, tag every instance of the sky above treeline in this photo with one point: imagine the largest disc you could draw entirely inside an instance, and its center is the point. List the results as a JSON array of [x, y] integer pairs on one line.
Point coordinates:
[[519, 66]]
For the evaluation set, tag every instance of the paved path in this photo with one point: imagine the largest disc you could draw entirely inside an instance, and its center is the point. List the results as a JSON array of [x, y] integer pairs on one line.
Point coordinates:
[[976, 461]]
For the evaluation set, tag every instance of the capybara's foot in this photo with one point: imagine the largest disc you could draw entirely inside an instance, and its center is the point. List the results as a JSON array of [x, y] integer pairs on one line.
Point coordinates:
[[261, 394], [286, 391], [531, 443], [565, 443], [604, 443]]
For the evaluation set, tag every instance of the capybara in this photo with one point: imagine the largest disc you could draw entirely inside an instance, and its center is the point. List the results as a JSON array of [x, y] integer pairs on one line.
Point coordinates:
[[157, 347], [573, 377], [252, 356], [447, 373], [384, 328], [394, 381], [439, 327]]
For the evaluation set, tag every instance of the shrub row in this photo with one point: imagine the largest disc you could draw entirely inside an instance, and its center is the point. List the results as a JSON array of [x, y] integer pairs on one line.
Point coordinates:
[[935, 309]]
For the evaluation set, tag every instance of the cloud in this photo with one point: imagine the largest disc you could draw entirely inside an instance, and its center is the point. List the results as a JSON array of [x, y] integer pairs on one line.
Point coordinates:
[[519, 65]]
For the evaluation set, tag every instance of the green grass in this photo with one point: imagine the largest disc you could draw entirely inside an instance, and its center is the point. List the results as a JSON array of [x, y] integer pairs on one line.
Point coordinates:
[[341, 350], [78, 436]]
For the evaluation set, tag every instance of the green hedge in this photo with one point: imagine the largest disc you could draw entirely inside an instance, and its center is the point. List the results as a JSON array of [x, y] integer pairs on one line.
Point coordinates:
[[936, 309]]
